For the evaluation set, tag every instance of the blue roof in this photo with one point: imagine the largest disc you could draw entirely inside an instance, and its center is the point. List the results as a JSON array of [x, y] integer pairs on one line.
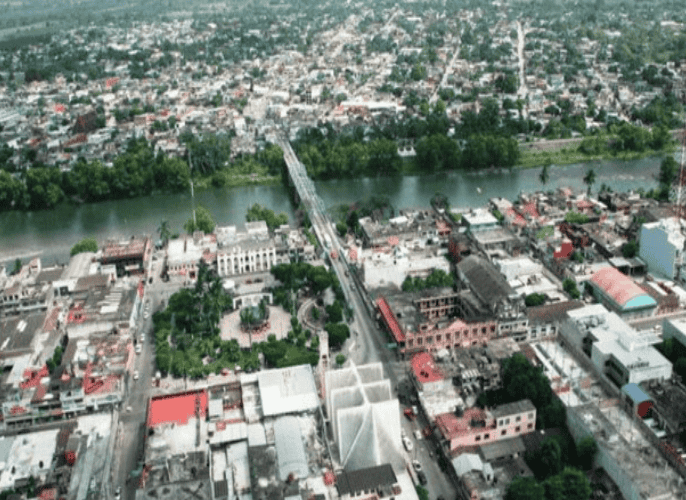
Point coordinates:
[[635, 393], [640, 302]]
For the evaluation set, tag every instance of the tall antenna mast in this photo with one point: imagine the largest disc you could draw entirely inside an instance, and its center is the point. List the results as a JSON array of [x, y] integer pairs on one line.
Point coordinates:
[[190, 167]]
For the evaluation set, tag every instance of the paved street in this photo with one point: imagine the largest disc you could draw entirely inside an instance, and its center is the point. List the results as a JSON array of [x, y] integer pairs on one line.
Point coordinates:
[[368, 346], [134, 407]]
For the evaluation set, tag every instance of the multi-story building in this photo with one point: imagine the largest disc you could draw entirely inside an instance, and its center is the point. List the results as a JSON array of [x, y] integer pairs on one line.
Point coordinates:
[[246, 256], [617, 351], [426, 321], [129, 256], [477, 427], [247, 252], [184, 254], [662, 247], [486, 294]]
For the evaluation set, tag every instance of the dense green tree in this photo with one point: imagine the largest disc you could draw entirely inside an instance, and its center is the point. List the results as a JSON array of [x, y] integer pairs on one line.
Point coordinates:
[[43, 187], [258, 212], [85, 245], [334, 312], [340, 359], [203, 221], [586, 450], [534, 299], [482, 151], [569, 286], [437, 152], [338, 333], [630, 249], [589, 179], [669, 172], [525, 488], [544, 177], [208, 153], [12, 191], [570, 484], [550, 457], [507, 84]]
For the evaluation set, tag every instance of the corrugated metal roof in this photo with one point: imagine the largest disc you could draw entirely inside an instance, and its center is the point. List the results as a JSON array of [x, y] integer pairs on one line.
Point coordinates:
[[620, 288], [390, 320], [635, 393], [290, 451]]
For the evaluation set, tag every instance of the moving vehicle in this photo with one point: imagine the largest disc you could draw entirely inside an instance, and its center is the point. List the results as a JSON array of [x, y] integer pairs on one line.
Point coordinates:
[[117, 493], [135, 375], [417, 466], [407, 443], [418, 434], [409, 414], [139, 348]]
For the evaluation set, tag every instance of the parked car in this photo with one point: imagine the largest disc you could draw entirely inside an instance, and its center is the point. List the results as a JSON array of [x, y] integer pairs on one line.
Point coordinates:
[[139, 348], [417, 466], [135, 375], [422, 477], [417, 434], [117, 493], [407, 443]]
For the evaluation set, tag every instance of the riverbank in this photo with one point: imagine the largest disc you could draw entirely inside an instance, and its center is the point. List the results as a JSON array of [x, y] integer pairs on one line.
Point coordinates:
[[233, 181], [564, 156]]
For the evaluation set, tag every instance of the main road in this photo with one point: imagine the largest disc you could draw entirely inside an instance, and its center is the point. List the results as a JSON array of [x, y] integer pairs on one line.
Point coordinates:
[[133, 410], [367, 344]]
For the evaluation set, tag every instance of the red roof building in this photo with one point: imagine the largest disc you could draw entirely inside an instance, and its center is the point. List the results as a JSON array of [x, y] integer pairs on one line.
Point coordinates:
[[621, 294], [425, 373], [390, 321], [566, 249], [177, 408]]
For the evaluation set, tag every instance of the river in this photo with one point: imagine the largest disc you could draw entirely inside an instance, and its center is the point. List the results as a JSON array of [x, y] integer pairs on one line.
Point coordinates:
[[53, 232]]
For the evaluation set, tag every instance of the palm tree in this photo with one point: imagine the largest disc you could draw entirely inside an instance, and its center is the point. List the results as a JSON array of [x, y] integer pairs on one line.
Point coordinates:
[[164, 232], [589, 179], [544, 177]]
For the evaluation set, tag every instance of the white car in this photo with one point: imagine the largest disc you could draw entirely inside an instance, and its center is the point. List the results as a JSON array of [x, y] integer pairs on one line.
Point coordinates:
[[142, 338], [117, 493], [139, 348], [417, 434], [417, 466], [407, 443], [135, 375]]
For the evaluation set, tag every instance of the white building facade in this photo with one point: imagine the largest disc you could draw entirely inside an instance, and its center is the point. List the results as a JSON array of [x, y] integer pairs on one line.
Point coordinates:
[[662, 247]]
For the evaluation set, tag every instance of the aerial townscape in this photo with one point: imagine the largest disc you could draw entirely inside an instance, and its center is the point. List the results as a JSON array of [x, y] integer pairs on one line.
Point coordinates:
[[280, 250]]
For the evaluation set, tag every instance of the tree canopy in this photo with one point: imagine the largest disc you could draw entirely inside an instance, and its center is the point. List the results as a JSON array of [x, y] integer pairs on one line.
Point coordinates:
[[437, 278], [85, 245], [187, 341], [258, 212], [521, 380], [203, 221]]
